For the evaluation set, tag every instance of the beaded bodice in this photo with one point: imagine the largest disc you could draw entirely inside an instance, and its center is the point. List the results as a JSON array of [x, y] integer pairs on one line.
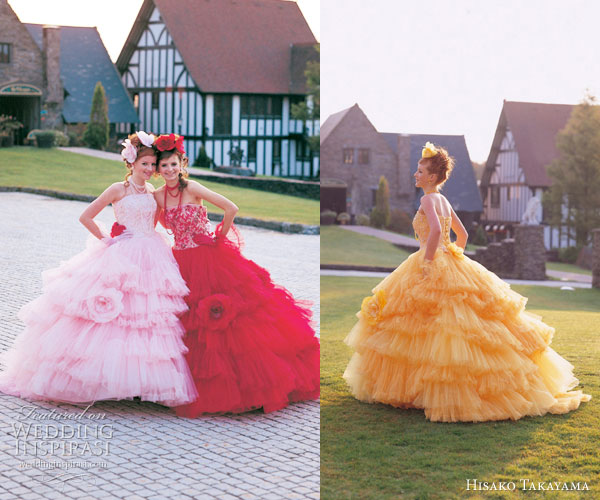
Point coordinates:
[[421, 227], [190, 225], [136, 212]]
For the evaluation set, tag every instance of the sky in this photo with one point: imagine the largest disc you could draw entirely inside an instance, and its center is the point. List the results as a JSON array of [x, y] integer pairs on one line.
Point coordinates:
[[113, 18], [445, 67]]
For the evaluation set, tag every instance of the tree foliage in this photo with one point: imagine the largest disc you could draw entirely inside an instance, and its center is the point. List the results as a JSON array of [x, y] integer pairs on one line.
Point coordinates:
[[380, 215], [310, 109], [573, 200], [96, 131]]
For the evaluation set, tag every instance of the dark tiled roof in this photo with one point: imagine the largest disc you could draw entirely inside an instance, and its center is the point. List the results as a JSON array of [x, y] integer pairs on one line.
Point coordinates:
[[302, 54], [83, 62], [231, 46], [534, 127], [461, 188]]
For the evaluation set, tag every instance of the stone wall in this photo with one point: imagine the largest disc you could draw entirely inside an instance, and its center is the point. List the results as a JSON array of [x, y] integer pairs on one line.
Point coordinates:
[[596, 258], [54, 88], [26, 65]]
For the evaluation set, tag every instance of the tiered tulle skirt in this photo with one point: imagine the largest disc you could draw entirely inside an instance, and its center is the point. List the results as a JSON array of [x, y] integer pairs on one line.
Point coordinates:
[[458, 344], [105, 327], [251, 344]]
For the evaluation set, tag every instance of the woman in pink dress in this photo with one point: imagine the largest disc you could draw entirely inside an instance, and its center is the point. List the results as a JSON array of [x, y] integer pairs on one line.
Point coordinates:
[[106, 325], [251, 345]]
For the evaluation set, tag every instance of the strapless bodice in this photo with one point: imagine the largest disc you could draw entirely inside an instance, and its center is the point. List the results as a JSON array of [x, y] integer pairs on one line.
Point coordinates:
[[421, 227], [136, 212], [190, 225]]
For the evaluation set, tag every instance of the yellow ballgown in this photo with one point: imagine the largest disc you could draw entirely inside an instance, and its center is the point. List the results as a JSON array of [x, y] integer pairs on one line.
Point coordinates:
[[456, 341]]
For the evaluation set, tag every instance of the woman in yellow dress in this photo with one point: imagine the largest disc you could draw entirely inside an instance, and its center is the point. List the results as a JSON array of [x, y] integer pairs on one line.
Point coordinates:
[[444, 334]]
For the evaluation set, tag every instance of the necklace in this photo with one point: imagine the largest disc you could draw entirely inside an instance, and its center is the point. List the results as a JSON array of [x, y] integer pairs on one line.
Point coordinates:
[[174, 189], [138, 189]]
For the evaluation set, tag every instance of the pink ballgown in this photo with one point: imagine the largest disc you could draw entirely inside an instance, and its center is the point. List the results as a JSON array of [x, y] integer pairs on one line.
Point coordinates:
[[106, 325]]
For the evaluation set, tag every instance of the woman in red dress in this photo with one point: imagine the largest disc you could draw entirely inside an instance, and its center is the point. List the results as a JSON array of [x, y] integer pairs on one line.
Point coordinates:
[[251, 344]]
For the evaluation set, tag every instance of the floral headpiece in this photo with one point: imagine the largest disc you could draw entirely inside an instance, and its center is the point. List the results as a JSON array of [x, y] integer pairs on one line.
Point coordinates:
[[429, 150], [166, 142], [130, 152]]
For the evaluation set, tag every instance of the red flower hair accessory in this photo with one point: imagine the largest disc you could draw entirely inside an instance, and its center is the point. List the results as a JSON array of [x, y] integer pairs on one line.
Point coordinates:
[[166, 142]]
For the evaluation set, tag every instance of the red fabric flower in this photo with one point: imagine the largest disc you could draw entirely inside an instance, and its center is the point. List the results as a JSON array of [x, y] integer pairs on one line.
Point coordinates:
[[165, 142], [216, 311], [179, 145], [117, 229]]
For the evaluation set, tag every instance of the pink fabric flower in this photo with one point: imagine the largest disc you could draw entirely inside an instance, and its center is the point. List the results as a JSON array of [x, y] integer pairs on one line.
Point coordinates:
[[129, 152], [146, 139], [104, 305], [216, 311]]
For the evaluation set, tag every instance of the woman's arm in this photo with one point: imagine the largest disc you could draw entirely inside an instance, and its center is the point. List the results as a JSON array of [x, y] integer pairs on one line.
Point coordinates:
[[110, 195], [435, 229], [216, 199], [459, 230]]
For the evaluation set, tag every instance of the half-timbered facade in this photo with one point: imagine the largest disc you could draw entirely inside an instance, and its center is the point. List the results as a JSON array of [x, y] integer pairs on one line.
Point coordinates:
[[224, 74], [515, 172]]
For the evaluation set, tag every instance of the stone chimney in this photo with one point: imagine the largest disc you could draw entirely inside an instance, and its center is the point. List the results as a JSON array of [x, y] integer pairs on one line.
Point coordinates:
[[54, 89], [405, 180]]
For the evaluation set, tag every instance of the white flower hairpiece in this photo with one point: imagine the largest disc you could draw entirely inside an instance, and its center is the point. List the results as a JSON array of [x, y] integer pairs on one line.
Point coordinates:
[[146, 139], [129, 152]]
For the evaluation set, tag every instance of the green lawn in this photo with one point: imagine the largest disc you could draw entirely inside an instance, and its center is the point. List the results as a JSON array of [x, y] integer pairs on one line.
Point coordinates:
[[567, 268], [376, 451], [74, 173], [340, 246]]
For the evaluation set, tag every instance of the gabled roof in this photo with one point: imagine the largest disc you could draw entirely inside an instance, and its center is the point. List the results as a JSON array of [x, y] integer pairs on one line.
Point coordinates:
[[83, 62], [534, 127], [461, 187], [231, 46], [331, 122]]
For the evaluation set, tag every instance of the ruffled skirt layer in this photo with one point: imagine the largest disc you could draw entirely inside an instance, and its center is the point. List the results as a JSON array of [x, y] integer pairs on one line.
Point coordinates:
[[458, 344], [251, 344], [105, 327]]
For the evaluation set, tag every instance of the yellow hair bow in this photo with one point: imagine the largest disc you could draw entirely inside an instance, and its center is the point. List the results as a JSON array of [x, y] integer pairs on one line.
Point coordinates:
[[429, 150]]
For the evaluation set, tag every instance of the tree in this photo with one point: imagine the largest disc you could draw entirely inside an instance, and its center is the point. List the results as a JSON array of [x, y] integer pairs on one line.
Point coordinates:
[[310, 109], [96, 131], [573, 200], [380, 215]]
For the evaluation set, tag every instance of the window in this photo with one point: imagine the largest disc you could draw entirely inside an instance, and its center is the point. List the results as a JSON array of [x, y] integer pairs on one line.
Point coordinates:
[[259, 105], [136, 101], [155, 99], [4, 52], [277, 149], [363, 155], [252, 150], [348, 155], [507, 193], [223, 105], [495, 196]]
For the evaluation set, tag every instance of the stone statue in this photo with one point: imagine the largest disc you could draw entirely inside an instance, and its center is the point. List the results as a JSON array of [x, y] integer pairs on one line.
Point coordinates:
[[530, 216]]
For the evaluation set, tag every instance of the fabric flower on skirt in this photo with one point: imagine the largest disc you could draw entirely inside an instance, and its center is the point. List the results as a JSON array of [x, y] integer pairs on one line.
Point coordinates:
[[104, 305], [372, 307], [455, 250], [117, 229], [216, 311]]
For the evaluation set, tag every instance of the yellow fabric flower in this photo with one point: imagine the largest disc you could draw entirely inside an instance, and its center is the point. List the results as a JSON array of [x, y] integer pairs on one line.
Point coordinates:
[[455, 250], [372, 307], [429, 150]]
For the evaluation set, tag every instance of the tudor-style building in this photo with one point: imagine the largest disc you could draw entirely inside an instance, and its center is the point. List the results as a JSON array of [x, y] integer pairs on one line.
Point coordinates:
[[48, 75], [524, 145], [224, 73], [354, 155]]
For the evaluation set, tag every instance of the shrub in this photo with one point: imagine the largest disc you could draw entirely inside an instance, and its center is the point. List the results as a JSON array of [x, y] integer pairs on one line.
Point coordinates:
[[96, 131], [75, 139], [328, 217], [45, 138], [203, 160], [363, 220], [380, 215], [343, 218], [480, 237], [400, 222], [58, 138], [568, 254]]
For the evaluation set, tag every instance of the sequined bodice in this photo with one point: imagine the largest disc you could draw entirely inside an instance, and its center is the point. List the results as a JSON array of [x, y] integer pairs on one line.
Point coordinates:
[[421, 227], [136, 212], [190, 225]]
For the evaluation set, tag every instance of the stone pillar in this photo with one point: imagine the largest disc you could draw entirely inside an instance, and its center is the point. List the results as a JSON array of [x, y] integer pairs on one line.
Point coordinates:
[[596, 258], [54, 88], [530, 252]]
